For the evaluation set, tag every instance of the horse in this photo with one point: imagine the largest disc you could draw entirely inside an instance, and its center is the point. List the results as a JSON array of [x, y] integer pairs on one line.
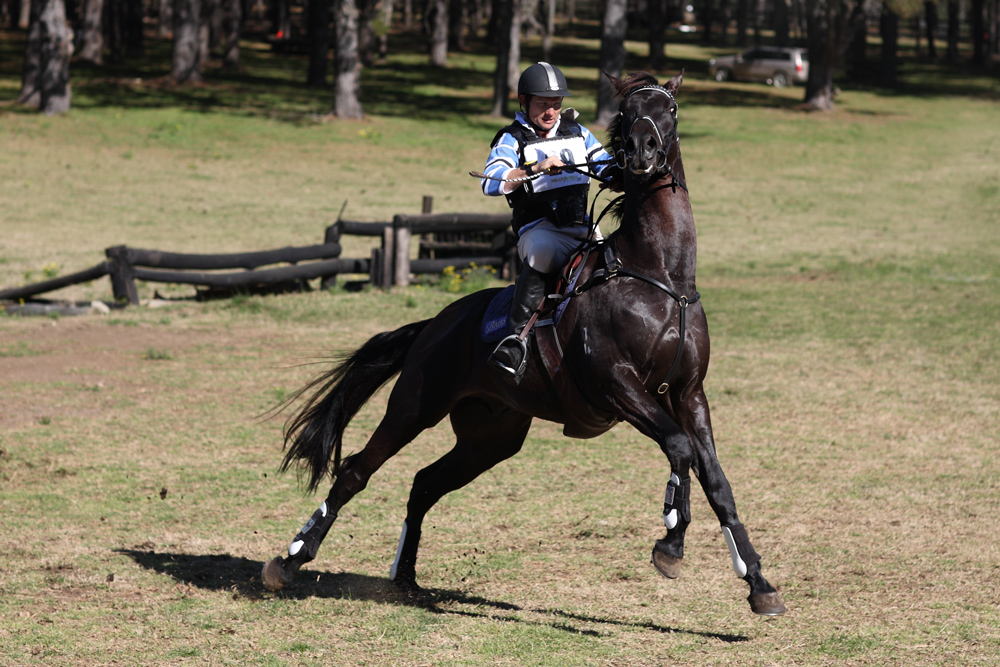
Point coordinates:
[[619, 338]]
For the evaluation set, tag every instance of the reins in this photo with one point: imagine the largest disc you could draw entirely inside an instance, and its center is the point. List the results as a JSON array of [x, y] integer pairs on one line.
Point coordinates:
[[578, 168]]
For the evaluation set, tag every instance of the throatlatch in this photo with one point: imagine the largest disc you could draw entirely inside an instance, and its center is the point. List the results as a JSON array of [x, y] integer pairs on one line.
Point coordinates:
[[677, 501], [740, 549]]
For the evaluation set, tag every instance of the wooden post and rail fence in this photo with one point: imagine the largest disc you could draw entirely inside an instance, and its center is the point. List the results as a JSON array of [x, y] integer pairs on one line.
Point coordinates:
[[443, 240]]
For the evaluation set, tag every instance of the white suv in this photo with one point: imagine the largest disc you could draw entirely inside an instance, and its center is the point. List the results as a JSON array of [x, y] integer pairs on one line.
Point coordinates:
[[770, 64]]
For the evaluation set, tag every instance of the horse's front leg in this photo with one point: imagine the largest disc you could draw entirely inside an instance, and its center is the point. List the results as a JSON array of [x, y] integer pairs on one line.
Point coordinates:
[[668, 552], [763, 598], [635, 405]]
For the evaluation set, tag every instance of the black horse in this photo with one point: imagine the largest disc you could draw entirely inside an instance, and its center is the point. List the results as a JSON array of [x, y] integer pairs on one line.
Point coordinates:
[[635, 349]]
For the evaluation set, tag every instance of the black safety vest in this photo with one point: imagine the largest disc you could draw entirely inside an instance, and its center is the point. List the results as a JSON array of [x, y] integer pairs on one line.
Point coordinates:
[[563, 206]]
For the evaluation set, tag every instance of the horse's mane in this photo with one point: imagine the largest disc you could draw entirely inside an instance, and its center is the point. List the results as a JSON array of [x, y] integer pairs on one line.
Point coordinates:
[[614, 142]]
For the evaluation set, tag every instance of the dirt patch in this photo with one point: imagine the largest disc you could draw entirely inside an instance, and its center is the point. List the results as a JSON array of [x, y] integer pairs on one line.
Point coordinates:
[[86, 354]]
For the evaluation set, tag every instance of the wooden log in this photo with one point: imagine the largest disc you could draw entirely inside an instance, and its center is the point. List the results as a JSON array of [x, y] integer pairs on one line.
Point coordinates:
[[401, 239], [355, 228], [375, 268], [122, 275], [85, 276], [388, 256], [242, 260], [258, 277], [454, 222]]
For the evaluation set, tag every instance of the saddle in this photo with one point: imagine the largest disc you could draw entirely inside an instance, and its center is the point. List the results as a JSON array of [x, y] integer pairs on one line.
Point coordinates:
[[582, 272]]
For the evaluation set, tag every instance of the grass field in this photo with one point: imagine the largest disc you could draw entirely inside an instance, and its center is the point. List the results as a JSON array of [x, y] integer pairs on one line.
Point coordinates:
[[849, 268]]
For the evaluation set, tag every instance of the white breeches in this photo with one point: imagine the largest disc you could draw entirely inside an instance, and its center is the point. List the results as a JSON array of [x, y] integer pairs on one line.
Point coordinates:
[[546, 248]]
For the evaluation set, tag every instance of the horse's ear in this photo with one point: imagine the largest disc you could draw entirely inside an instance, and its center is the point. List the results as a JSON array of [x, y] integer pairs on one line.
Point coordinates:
[[675, 83], [615, 81]]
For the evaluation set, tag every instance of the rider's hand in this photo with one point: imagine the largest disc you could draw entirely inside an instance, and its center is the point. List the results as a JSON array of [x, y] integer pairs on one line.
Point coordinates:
[[550, 165]]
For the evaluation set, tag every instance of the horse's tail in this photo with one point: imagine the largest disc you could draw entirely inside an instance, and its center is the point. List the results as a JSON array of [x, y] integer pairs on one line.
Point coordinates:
[[315, 435]]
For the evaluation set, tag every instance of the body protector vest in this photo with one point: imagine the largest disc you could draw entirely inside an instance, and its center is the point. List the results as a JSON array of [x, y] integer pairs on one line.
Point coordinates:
[[562, 198]]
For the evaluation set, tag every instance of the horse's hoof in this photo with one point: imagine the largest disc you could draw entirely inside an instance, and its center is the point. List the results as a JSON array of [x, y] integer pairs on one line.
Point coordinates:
[[407, 585], [766, 604], [274, 576], [666, 565]]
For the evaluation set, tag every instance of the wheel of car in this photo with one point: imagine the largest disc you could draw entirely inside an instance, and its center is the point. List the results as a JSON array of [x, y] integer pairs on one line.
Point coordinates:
[[780, 80], [723, 74]]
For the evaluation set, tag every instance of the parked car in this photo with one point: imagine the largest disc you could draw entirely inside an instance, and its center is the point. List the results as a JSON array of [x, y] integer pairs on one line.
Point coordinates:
[[770, 64]]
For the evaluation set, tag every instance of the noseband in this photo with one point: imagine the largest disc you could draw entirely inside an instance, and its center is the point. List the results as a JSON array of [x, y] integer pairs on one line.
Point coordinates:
[[663, 148]]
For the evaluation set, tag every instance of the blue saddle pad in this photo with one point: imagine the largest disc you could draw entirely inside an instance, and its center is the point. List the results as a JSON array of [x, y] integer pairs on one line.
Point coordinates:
[[494, 325]]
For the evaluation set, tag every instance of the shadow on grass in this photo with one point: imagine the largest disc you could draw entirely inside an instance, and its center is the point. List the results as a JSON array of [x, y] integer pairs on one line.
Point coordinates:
[[241, 576]]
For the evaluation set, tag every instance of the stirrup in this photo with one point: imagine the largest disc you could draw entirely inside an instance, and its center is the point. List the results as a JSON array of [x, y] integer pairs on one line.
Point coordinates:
[[512, 375]]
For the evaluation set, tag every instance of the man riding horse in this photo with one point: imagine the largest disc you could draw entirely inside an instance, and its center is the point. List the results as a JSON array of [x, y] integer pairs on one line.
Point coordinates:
[[527, 164]]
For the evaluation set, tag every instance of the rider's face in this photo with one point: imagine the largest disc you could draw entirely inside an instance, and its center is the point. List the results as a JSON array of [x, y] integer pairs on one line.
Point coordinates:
[[543, 112]]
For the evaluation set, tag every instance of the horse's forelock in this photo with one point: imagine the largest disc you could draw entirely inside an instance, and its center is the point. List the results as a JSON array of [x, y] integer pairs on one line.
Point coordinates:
[[633, 81]]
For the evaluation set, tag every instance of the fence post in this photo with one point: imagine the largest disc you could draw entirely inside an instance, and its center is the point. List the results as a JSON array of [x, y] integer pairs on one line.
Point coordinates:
[[401, 231], [122, 275], [388, 255]]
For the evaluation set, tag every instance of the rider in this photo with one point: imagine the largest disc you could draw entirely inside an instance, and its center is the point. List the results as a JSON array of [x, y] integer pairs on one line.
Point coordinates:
[[549, 212]]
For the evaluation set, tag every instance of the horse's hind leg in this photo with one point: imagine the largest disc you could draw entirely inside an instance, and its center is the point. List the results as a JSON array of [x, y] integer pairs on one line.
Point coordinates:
[[487, 434], [763, 598], [403, 421]]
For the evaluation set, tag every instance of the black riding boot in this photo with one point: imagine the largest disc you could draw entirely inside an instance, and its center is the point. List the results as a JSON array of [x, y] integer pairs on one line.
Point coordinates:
[[511, 354]]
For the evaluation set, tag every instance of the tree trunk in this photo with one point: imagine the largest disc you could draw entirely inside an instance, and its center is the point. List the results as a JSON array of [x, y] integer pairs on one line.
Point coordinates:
[[439, 32], [46, 60], [383, 37], [367, 40], [205, 29], [707, 19], [57, 47], [347, 82], [132, 24], [857, 45], [550, 29], [113, 23], [457, 16], [92, 37], [166, 20], [281, 24], [977, 28], [186, 55], [31, 79], [514, 40], [781, 23], [953, 7], [822, 20], [504, 16], [233, 28], [657, 26], [742, 22], [724, 17], [319, 42], [24, 19], [612, 57], [889, 28]]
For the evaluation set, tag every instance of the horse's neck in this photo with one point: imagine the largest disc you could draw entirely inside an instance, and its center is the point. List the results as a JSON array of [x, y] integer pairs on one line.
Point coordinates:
[[657, 230]]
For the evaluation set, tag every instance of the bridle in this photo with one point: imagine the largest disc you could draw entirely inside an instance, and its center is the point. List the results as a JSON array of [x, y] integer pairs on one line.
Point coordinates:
[[663, 144]]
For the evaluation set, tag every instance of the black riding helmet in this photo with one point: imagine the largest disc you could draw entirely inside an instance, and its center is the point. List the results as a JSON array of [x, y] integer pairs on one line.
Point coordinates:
[[544, 80]]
